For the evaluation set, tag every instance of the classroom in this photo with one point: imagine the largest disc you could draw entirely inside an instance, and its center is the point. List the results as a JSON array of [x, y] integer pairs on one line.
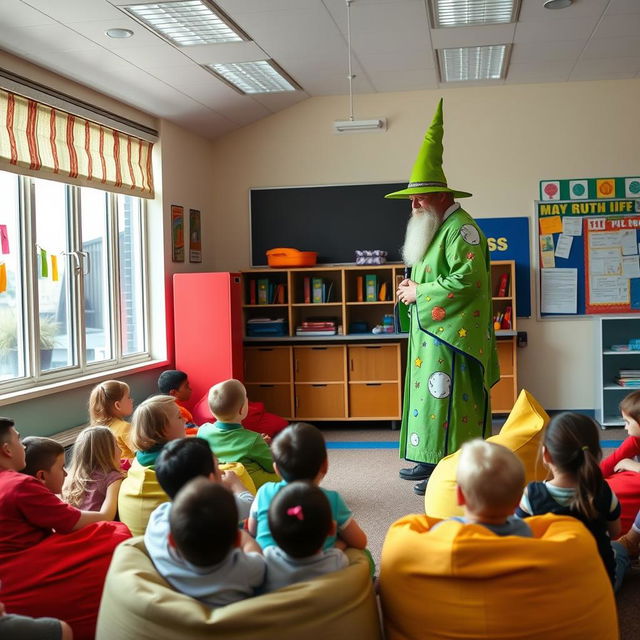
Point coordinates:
[[163, 279]]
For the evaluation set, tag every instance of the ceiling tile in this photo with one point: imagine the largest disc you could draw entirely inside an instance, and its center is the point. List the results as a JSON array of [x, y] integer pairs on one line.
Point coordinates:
[[560, 29], [534, 10], [70, 10], [230, 52], [404, 80], [17, 14], [612, 48], [539, 72], [547, 51], [619, 25], [43, 39], [605, 65], [95, 30], [278, 101], [397, 61], [623, 6]]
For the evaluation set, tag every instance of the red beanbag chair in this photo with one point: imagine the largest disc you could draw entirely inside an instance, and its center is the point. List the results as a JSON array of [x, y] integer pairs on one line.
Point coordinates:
[[257, 419], [62, 576]]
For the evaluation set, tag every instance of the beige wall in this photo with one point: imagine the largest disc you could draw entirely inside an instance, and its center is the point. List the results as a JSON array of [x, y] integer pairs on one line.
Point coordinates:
[[499, 142]]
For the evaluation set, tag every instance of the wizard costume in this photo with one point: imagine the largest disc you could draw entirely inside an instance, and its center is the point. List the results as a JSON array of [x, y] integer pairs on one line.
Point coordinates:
[[451, 358]]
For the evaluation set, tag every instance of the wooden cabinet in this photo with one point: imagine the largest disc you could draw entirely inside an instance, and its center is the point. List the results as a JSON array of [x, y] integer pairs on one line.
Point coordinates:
[[349, 375], [505, 392]]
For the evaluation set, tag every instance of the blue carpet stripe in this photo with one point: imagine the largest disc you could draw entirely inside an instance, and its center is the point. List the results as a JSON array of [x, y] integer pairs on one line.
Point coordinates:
[[389, 444]]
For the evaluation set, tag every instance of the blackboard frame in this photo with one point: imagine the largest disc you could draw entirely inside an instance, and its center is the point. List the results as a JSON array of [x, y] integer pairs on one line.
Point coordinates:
[[333, 220]]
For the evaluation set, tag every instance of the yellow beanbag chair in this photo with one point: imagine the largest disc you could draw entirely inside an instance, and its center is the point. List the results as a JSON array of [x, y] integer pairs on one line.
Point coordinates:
[[140, 493], [241, 472], [464, 581], [522, 433], [137, 604]]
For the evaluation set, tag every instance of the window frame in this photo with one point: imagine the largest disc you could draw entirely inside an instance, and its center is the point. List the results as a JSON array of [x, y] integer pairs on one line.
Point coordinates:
[[38, 382]]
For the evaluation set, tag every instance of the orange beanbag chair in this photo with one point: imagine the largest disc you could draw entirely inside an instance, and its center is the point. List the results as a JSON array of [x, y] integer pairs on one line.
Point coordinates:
[[521, 433], [463, 581]]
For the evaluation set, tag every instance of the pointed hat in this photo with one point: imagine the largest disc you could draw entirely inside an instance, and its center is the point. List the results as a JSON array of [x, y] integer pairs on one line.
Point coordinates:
[[427, 175]]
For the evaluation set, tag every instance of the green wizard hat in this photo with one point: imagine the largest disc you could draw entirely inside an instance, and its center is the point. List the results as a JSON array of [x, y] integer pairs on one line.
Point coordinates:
[[427, 175]]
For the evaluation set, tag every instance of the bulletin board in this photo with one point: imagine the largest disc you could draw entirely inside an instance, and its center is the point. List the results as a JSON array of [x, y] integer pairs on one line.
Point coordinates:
[[589, 246]]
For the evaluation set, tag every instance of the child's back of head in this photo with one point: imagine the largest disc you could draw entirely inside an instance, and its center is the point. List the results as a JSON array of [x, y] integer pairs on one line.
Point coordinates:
[[95, 450], [170, 381], [41, 454], [573, 445], [299, 452], [151, 420], [300, 519], [183, 460], [226, 399], [204, 522], [103, 400], [491, 477]]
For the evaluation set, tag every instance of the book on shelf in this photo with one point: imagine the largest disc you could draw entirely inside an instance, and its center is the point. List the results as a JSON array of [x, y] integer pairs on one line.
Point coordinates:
[[317, 290], [371, 287], [360, 289], [263, 291], [307, 289], [252, 291], [315, 332], [503, 285], [278, 294], [382, 294], [633, 383]]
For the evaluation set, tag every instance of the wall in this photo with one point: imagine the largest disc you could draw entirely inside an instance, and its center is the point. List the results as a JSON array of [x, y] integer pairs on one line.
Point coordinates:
[[181, 174], [499, 142]]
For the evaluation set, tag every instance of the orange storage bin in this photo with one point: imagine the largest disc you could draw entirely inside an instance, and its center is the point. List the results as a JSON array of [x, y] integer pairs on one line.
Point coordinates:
[[287, 257]]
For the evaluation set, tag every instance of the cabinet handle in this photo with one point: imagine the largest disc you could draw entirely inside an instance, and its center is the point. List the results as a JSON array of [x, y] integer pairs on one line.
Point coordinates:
[[350, 364], [265, 349], [318, 385], [373, 346], [373, 384], [318, 348], [297, 402], [296, 365], [267, 386]]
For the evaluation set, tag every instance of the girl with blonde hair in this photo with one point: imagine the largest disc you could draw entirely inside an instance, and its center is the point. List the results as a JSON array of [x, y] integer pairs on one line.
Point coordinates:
[[109, 403], [94, 479]]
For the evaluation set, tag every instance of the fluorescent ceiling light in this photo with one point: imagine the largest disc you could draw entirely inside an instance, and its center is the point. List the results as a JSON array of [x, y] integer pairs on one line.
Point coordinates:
[[463, 13], [187, 22], [468, 64], [261, 76], [352, 126]]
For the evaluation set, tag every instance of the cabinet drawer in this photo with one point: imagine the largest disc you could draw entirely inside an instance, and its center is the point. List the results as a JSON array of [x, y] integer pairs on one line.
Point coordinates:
[[503, 395], [374, 400], [320, 401], [505, 356], [319, 364], [372, 363], [267, 364], [276, 397]]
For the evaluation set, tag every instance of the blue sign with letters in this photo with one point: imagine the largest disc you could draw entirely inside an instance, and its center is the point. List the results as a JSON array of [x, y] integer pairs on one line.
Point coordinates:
[[508, 239]]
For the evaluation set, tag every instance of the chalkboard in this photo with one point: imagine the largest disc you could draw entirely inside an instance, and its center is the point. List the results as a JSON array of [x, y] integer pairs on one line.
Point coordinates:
[[332, 220]]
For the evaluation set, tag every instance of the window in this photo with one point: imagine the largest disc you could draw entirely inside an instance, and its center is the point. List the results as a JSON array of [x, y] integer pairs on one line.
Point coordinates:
[[76, 298]]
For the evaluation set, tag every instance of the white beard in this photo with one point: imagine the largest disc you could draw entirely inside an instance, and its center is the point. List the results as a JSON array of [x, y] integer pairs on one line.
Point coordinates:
[[421, 228]]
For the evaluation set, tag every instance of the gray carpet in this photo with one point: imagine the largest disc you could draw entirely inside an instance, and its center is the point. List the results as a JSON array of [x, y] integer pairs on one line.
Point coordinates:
[[368, 481]]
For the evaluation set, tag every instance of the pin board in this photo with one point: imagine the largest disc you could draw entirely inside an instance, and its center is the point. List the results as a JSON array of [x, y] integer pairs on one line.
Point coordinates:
[[335, 220], [589, 246]]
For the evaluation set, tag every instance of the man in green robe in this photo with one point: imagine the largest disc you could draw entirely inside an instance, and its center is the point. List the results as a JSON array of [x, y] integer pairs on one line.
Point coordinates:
[[451, 358]]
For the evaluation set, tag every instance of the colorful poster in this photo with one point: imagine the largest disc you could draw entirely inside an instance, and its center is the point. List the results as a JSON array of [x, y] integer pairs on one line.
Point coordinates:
[[611, 265], [550, 190], [579, 189], [195, 236], [177, 233]]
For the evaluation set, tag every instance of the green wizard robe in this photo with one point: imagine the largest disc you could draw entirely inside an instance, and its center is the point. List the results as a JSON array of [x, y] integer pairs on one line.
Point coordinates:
[[451, 358]]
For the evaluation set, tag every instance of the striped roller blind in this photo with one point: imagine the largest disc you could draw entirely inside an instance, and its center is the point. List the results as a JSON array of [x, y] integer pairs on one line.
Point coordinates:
[[60, 146]]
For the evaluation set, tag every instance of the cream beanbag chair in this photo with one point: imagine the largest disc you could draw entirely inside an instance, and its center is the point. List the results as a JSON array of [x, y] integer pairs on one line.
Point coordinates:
[[137, 604], [464, 581], [522, 433]]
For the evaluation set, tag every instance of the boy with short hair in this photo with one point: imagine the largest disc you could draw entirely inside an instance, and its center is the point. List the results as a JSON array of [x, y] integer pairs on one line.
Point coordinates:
[[490, 481], [300, 453], [205, 559], [230, 441], [174, 382]]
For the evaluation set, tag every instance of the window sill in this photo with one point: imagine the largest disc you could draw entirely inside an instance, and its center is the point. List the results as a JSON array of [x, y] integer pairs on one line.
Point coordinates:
[[94, 378]]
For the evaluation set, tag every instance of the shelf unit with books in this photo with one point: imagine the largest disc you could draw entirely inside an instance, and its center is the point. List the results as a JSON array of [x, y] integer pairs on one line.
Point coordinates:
[[616, 353]]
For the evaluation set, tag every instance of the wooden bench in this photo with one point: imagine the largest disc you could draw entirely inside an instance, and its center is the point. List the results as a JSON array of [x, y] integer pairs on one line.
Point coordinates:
[[68, 437]]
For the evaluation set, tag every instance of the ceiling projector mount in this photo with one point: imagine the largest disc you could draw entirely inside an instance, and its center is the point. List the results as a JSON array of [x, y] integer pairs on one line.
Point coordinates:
[[351, 125]]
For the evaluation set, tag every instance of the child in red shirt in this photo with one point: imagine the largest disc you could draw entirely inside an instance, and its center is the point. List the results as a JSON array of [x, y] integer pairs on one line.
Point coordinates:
[[47, 547]]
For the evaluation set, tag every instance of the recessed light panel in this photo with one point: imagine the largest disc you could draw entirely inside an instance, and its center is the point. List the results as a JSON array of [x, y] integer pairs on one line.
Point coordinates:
[[187, 22], [464, 13], [468, 64], [261, 76]]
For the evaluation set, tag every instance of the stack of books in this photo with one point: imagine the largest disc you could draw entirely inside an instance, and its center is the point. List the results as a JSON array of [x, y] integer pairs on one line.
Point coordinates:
[[266, 327], [317, 327], [629, 378]]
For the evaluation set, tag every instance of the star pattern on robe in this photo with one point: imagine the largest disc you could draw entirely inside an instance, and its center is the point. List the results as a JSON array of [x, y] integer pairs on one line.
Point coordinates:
[[418, 362], [462, 333]]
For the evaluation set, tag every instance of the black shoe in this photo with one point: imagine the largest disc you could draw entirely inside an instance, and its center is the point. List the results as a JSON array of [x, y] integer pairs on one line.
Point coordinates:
[[421, 471], [420, 488]]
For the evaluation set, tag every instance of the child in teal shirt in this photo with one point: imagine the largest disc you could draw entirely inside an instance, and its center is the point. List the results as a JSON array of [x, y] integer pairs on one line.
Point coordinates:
[[230, 440]]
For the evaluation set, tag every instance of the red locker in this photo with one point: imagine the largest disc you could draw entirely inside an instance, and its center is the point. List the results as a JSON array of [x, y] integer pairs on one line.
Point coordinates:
[[208, 328]]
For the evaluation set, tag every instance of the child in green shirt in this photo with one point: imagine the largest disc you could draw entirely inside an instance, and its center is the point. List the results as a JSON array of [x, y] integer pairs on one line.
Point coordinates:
[[230, 440]]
